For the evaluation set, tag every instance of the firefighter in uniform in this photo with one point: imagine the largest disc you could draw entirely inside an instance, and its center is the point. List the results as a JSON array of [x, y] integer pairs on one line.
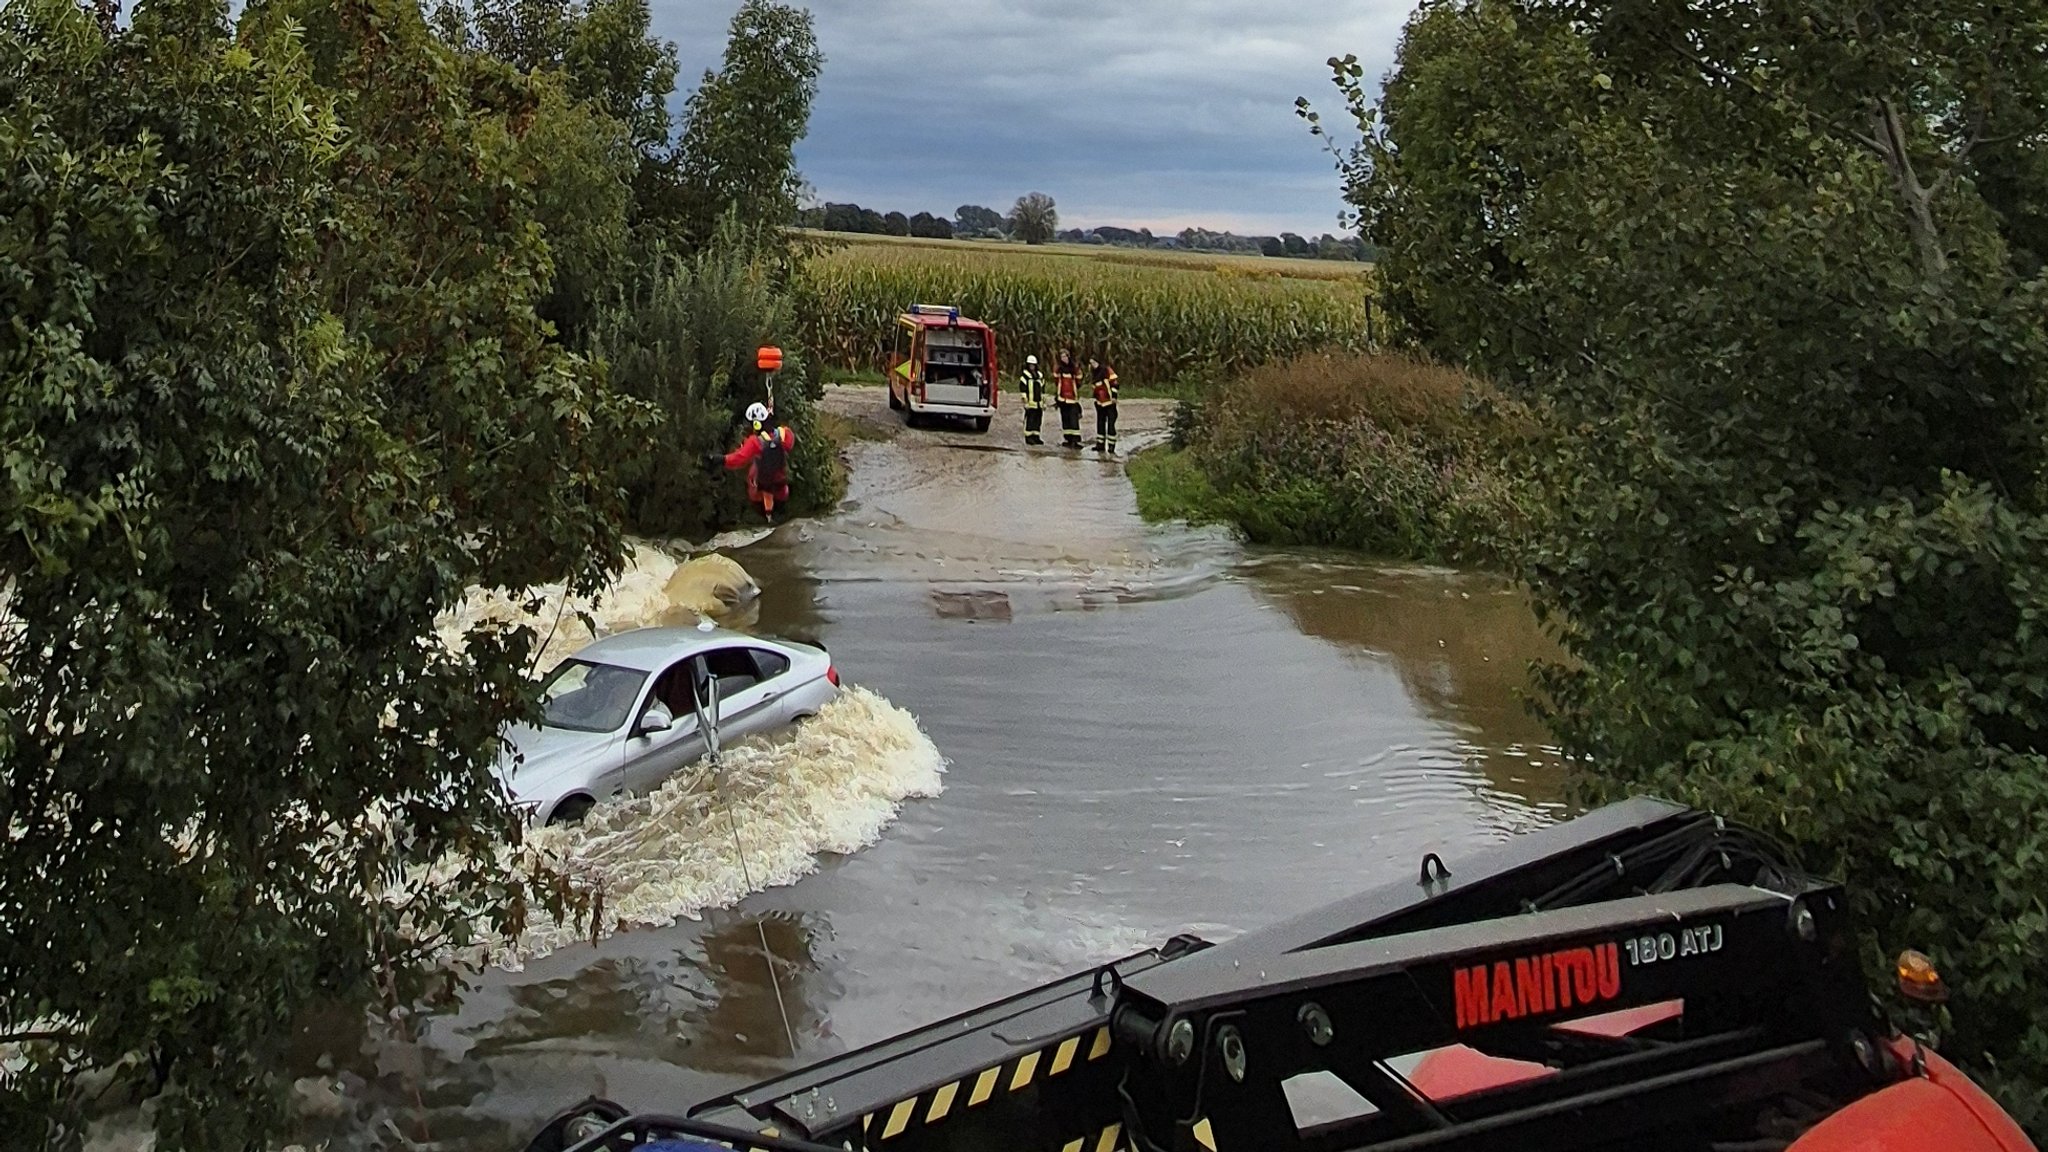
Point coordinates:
[[765, 456], [1031, 382], [1104, 378], [1066, 381]]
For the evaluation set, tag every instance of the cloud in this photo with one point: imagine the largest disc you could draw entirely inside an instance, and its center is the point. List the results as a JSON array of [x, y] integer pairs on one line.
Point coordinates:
[[1164, 113]]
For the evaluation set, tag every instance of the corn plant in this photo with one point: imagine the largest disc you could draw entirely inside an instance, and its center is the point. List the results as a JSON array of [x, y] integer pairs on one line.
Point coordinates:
[[1155, 322]]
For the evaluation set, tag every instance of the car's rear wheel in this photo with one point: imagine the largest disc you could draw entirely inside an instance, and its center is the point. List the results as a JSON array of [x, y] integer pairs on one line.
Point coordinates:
[[894, 404], [981, 423], [571, 811]]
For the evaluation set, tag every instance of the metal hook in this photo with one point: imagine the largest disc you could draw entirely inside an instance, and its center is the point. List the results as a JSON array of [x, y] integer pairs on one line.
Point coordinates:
[[1107, 973], [1442, 873]]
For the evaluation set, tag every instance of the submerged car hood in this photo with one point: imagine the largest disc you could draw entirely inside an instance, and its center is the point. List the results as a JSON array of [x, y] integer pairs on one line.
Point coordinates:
[[539, 754]]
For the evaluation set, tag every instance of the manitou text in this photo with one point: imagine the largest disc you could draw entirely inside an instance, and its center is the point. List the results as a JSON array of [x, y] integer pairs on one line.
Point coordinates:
[[1534, 985]]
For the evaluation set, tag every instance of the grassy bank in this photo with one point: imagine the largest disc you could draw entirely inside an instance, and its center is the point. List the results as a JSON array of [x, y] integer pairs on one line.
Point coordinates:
[[1170, 485], [1159, 318], [1377, 453]]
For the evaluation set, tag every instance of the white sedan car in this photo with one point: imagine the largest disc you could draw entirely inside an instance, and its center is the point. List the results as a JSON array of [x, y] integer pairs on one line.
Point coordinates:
[[621, 715]]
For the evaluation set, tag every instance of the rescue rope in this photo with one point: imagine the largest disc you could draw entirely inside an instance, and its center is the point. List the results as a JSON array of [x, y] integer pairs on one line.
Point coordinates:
[[767, 956], [538, 652], [707, 723]]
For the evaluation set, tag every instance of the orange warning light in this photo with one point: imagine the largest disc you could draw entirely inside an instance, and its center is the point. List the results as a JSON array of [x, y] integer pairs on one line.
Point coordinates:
[[1918, 979], [768, 359]]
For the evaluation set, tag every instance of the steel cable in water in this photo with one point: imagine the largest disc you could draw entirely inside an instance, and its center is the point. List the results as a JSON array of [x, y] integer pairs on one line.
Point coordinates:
[[706, 698]]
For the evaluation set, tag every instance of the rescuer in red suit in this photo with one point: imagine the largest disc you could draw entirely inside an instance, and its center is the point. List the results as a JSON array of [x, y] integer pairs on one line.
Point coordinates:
[[765, 455]]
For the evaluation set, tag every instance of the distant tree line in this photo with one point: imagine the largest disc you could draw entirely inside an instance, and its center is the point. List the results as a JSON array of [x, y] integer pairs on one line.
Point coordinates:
[[972, 221], [854, 218]]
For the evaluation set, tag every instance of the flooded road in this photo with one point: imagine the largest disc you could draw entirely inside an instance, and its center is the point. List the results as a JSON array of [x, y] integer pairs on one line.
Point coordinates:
[[1147, 729]]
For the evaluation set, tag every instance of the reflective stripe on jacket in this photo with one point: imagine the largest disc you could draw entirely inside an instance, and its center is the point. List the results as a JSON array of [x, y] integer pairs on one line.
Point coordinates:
[[1105, 390]]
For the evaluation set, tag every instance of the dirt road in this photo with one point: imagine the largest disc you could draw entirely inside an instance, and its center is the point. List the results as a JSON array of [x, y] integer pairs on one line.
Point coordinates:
[[1139, 422]]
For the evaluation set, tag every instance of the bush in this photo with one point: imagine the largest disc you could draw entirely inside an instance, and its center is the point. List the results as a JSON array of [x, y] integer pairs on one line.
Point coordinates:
[[685, 343], [1181, 426], [271, 400], [1384, 454], [1793, 524]]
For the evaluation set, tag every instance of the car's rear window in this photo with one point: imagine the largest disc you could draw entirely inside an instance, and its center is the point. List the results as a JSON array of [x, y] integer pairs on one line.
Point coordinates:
[[586, 697], [771, 664]]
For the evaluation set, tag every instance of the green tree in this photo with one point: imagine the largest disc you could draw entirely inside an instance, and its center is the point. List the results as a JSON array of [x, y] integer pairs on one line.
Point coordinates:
[[603, 48], [1034, 219], [1332, 248], [1774, 271], [273, 394], [579, 165], [975, 218], [591, 86], [738, 151], [709, 289], [684, 343], [843, 217]]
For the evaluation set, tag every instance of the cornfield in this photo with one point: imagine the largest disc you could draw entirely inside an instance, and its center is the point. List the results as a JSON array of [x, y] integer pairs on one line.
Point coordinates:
[[1154, 322]]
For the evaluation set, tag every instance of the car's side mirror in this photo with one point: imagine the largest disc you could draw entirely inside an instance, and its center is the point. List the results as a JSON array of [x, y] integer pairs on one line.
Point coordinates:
[[655, 719]]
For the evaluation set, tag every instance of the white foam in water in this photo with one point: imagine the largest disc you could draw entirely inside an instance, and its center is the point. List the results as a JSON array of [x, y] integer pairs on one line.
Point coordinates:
[[831, 786], [738, 538], [655, 588]]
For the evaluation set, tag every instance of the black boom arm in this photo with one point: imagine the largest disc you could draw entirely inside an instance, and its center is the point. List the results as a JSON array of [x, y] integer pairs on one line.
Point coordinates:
[[1521, 952]]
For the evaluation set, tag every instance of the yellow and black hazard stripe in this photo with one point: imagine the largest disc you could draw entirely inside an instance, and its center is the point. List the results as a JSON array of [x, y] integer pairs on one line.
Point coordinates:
[[1041, 1066], [1107, 1139]]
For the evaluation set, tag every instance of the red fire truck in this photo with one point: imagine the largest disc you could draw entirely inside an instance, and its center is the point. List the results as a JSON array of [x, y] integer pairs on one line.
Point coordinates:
[[942, 364]]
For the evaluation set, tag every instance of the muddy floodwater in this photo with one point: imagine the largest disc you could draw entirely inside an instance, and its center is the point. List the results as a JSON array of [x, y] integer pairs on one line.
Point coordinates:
[[1146, 730]]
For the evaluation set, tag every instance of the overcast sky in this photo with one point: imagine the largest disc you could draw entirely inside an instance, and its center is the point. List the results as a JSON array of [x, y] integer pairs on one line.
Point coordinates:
[[1159, 113]]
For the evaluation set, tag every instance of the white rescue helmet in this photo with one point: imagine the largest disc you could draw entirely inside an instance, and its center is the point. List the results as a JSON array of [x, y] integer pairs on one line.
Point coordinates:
[[1031, 359], [756, 413]]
